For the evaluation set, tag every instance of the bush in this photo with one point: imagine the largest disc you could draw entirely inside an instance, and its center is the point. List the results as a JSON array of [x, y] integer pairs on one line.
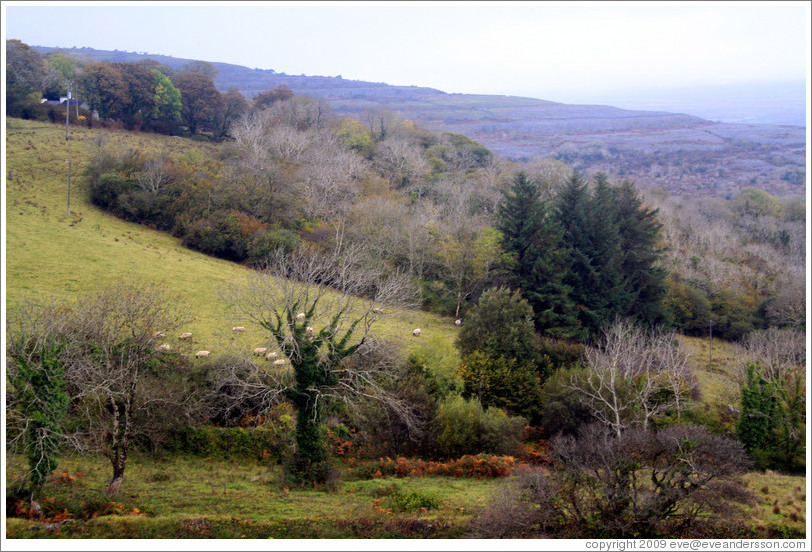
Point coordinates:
[[464, 427], [408, 501], [106, 190], [259, 443], [263, 244], [640, 484], [479, 466], [565, 410], [503, 383], [501, 325], [224, 234]]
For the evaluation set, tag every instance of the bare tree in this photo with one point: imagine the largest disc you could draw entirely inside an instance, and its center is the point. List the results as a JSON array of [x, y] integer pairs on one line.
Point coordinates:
[[401, 161], [155, 174], [120, 376], [321, 312], [627, 373], [331, 175]]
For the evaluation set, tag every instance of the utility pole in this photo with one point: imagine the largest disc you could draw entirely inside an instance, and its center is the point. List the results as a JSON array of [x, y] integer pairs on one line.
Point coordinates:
[[69, 164], [67, 110], [710, 333]]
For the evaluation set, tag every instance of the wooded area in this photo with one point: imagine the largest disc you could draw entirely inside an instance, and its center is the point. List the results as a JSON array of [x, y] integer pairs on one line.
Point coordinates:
[[571, 296]]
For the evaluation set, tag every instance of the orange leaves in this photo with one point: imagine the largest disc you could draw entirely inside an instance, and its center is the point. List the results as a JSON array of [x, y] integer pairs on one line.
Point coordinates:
[[480, 466]]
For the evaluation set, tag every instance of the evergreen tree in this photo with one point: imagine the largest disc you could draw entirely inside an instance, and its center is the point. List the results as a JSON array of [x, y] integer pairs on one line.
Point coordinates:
[[639, 232], [532, 238], [612, 242], [758, 420], [501, 325]]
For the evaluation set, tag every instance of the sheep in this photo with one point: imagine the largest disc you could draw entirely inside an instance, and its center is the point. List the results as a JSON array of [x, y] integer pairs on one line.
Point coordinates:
[[202, 354], [238, 329], [259, 351], [279, 362], [416, 332], [186, 335], [270, 355], [162, 348], [309, 330], [300, 316], [458, 322], [377, 310], [159, 334]]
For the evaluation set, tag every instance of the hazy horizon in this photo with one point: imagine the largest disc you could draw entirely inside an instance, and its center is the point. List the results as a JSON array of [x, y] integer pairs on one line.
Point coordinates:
[[639, 53]]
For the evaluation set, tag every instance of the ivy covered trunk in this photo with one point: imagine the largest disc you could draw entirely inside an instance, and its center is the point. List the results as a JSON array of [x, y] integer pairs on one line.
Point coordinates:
[[311, 463], [313, 372]]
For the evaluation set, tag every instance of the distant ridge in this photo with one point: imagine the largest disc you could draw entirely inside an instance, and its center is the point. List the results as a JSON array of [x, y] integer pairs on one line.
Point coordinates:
[[686, 154]]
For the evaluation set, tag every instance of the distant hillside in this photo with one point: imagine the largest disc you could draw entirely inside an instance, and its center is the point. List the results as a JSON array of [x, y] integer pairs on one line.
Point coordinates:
[[686, 154]]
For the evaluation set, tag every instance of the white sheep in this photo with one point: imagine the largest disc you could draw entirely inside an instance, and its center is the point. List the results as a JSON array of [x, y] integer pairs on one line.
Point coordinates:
[[416, 332], [300, 316], [259, 351], [202, 354], [186, 335], [377, 310], [238, 329], [309, 330], [458, 322], [270, 356], [162, 348], [279, 362]]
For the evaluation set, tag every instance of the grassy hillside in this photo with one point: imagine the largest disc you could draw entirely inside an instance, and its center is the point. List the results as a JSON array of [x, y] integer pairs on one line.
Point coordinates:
[[49, 251]]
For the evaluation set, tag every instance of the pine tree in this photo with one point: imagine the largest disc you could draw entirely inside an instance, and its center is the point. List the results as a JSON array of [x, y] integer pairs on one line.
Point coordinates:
[[591, 241], [612, 241], [639, 231], [538, 264]]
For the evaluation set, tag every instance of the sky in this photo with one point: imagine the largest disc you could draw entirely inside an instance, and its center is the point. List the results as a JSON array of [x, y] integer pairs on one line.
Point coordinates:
[[561, 51]]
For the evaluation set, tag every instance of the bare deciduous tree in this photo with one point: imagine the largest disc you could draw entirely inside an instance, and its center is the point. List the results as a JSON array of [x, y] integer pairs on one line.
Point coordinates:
[[120, 379], [627, 373], [154, 175]]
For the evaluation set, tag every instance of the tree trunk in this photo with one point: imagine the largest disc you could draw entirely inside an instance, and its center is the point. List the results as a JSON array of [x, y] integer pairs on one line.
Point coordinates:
[[120, 445], [311, 462]]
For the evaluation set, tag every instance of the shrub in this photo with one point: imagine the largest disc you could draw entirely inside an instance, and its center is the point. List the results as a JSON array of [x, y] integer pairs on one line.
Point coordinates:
[[500, 326], [479, 466], [263, 244], [503, 383], [224, 234], [106, 190], [641, 483], [464, 427], [565, 410], [260, 443], [408, 501]]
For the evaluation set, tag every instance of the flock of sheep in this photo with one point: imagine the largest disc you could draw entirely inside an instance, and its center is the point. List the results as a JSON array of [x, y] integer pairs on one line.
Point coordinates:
[[263, 351]]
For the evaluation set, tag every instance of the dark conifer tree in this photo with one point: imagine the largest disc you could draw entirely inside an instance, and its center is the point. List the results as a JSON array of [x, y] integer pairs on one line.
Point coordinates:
[[640, 233], [533, 239], [612, 239]]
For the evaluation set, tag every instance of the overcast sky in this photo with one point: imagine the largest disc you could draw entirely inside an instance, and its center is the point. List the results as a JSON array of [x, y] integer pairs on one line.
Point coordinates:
[[562, 51]]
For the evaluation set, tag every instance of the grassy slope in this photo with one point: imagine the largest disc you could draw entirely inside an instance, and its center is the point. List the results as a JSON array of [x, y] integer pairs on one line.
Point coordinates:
[[51, 252]]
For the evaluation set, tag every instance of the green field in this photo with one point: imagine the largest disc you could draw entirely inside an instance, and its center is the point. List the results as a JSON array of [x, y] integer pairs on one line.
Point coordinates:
[[49, 251]]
